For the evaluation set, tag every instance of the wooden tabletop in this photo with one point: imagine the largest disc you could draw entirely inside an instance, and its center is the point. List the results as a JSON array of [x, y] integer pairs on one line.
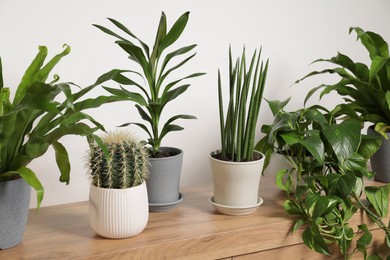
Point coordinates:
[[194, 230]]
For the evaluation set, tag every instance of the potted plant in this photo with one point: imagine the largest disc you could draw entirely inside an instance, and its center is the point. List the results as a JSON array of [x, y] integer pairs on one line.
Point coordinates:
[[366, 90], [294, 139], [151, 97], [37, 117], [118, 199], [237, 167], [332, 187]]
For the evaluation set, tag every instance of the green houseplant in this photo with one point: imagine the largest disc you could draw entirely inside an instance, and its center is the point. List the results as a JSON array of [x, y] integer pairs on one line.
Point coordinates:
[[331, 162], [155, 68], [237, 159], [37, 117], [118, 199], [366, 90], [328, 199], [296, 137]]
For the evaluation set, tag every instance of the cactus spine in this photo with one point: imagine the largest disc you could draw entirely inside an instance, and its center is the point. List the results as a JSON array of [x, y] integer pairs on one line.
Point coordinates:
[[126, 166]]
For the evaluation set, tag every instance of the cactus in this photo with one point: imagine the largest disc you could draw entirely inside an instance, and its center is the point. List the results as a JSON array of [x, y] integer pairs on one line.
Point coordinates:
[[126, 166]]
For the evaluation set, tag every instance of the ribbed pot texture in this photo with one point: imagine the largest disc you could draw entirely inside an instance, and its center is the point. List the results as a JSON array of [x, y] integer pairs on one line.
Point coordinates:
[[118, 213]]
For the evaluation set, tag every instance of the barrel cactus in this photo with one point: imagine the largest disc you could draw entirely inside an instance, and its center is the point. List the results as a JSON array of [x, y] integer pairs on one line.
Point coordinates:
[[126, 166]]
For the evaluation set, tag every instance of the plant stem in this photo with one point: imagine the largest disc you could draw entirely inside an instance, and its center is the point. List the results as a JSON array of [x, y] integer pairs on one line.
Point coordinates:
[[377, 220]]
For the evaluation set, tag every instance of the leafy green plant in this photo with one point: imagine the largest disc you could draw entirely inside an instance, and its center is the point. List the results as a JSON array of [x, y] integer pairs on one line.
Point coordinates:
[[35, 120], [296, 136], [333, 167], [154, 93], [365, 88], [246, 87], [126, 166]]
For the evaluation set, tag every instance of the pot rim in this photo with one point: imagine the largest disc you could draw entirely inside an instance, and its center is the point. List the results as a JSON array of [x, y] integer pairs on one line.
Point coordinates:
[[167, 148], [236, 163], [118, 190]]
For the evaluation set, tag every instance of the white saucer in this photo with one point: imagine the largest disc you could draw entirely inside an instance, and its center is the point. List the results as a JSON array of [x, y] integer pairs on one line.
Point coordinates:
[[235, 210]]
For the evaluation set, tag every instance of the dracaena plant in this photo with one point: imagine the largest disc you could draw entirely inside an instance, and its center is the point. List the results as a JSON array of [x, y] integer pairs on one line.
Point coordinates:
[[246, 88], [365, 88], [39, 115], [155, 67]]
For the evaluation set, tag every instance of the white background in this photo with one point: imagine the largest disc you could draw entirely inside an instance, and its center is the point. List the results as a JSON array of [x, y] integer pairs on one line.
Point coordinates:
[[293, 33]]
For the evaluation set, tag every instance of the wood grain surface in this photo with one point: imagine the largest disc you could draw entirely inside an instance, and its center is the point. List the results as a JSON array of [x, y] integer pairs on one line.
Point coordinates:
[[194, 230]]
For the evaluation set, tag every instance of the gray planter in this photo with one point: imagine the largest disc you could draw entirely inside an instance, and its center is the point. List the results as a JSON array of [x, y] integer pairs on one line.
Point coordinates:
[[14, 204], [164, 181], [380, 162]]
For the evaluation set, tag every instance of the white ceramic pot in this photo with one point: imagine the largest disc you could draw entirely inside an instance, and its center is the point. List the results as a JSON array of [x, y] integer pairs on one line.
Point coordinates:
[[118, 213], [236, 183]]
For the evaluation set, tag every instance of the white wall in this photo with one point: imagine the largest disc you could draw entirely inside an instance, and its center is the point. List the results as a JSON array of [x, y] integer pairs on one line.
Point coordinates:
[[293, 33]]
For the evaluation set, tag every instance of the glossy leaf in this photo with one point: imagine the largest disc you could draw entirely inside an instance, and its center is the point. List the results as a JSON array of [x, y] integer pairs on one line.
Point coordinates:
[[174, 33], [292, 208], [344, 138], [314, 241], [31, 179], [123, 28], [62, 159], [379, 198], [341, 185]]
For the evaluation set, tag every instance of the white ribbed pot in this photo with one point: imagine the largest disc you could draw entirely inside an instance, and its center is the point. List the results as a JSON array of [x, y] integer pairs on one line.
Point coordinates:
[[236, 184], [118, 213]]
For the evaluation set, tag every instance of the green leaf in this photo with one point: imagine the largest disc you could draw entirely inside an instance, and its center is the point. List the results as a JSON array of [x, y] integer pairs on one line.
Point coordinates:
[[144, 115], [109, 32], [312, 238], [369, 145], [161, 32], [292, 208], [344, 138], [355, 162], [137, 55], [373, 42], [364, 240], [43, 73], [277, 106], [341, 185], [298, 224], [28, 77], [29, 176], [280, 180], [316, 205], [315, 146], [5, 104], [174, 33], [176, 53], [378, 63], [379, 198], [62, 159], [123, 28], [174, 93], [127, 95]]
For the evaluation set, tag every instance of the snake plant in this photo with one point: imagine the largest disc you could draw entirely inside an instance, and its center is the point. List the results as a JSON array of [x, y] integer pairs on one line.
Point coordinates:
[[246, 88]]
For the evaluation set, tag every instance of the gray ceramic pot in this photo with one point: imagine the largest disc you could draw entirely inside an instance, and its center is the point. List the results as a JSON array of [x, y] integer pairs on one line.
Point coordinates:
[[14, 204], [164, 181], [380, 162]]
